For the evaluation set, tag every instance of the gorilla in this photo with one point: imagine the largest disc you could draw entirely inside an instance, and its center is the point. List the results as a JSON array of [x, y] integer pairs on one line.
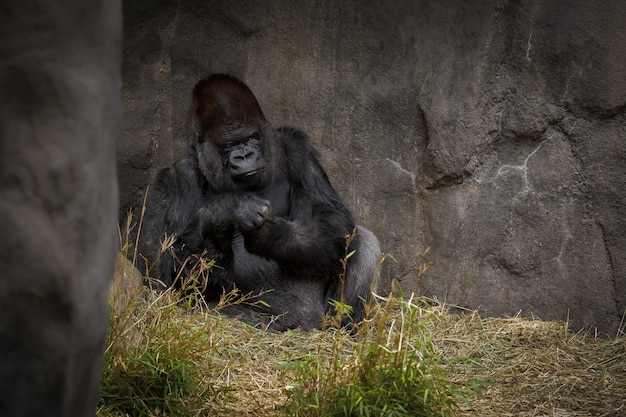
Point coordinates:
[[256, 200]]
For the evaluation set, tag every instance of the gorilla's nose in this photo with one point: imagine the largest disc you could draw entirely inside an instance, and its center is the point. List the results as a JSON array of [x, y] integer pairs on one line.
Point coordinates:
[[244, 161], [243, 155]]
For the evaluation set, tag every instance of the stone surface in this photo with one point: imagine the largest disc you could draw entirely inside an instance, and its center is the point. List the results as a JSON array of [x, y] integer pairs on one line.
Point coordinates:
[[60, 83], [492, 131]]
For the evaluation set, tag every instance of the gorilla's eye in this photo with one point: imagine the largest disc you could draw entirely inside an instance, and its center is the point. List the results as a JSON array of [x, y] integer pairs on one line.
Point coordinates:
[[251, 140]]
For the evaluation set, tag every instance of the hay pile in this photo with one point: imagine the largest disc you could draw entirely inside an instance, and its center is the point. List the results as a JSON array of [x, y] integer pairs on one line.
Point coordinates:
[[533, 367], [537, 368]]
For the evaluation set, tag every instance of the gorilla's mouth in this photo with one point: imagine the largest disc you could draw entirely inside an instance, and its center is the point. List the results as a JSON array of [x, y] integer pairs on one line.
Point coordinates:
[[250, 176]]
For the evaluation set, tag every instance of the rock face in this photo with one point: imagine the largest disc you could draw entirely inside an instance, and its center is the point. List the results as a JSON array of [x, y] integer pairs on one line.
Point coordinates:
[[60, 83], [492, 131]]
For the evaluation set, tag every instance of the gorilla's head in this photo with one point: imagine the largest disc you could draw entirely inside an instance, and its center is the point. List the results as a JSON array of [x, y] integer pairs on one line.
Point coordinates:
[[235, 144]]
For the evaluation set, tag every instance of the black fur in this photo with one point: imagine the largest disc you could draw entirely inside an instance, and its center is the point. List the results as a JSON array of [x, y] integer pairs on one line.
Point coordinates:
[[280, 229]]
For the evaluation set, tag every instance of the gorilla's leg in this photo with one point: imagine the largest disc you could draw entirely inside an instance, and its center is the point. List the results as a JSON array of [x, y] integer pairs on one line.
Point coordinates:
[[300, 302], [362, 274], [294, 304], [287, 304]]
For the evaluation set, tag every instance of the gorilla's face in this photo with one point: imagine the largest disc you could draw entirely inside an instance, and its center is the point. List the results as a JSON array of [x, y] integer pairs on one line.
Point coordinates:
[[242, 156], [236, 146]]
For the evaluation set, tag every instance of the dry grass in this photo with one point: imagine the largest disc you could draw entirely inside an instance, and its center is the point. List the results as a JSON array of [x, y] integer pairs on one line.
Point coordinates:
[[537, 368], [533, 367]]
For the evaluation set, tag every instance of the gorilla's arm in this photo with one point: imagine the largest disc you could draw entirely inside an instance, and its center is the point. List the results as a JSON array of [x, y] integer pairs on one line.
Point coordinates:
[[313, 236], [200, 222], [171, 206]]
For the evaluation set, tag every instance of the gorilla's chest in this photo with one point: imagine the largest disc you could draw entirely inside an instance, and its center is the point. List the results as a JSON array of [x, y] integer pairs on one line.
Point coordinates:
[[278, 194]]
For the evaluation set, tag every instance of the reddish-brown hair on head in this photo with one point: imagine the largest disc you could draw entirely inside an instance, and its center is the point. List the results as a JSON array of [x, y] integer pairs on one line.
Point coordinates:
[[222, 100]]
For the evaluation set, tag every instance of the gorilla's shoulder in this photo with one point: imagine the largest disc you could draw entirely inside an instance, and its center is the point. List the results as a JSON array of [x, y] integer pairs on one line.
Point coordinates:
[[185, 171], [301, 156], [292, 135], [296, 143]]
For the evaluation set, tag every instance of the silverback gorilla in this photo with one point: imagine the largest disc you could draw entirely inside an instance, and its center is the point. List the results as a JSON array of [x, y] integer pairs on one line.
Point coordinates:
[[256, 200]]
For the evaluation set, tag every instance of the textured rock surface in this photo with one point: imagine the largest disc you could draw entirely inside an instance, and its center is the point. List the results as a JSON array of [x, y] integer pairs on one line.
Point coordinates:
[[493, 131], [60, 84]]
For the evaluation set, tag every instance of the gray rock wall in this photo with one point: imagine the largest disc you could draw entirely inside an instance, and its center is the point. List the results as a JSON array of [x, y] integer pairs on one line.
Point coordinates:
[[492, 131]]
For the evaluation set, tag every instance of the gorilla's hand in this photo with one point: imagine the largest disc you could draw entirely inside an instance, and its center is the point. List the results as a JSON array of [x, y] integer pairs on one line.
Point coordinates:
[[251, 212]]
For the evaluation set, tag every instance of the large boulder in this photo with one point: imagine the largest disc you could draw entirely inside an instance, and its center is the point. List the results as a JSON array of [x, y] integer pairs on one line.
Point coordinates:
[[60, 82], [491, 131]]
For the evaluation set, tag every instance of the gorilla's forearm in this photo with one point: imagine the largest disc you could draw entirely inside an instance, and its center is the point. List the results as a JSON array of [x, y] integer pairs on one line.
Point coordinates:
[[244, 211], [297, 245]]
